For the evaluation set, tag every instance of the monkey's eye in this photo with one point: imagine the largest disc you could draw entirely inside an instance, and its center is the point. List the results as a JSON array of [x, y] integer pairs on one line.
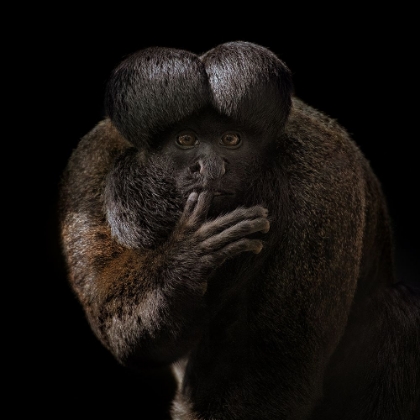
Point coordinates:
[[186, 140], [230, 140]]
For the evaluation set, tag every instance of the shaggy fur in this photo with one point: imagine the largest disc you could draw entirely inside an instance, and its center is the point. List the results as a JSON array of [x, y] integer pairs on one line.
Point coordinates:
[[276, 299]]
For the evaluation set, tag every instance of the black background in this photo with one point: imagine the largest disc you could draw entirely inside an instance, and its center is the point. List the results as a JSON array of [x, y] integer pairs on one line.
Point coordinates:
[[359, 69]]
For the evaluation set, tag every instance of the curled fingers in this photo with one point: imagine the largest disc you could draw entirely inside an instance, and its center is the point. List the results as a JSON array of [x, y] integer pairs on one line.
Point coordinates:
[[235, 233], [231, 219]]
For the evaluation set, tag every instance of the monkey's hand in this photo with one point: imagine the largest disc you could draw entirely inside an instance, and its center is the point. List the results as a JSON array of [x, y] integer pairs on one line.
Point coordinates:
[[208, 243], [169, 312], [148, 304], [164, 312]]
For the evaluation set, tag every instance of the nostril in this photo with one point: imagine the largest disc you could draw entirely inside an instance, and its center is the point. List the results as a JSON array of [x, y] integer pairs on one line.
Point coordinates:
[[196, 167], [210, 168]]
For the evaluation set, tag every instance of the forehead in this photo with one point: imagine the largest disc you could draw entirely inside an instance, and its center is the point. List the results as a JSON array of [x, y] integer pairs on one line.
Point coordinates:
[[207, 121]]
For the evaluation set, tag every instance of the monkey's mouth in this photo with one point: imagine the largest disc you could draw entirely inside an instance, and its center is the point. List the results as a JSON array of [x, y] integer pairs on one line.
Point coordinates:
[[222, 193], [218, 195], [215, 192]]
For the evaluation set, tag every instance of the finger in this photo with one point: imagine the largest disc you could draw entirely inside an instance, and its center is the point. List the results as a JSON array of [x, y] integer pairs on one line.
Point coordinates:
[[236, 248], [191, 202], [189, 206], [223, 222], [233, 233], [203, 205]]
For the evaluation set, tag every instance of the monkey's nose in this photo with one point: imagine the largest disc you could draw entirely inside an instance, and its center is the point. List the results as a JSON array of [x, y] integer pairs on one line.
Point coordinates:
[[212, 168]]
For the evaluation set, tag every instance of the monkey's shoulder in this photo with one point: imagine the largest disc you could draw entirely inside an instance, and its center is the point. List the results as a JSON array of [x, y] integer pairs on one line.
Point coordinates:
[[99, 146], [83, 178], [307, 121]]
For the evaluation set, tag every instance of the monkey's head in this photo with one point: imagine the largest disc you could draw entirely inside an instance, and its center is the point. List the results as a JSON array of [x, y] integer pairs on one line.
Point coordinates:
[[209, 151], [214, 117]]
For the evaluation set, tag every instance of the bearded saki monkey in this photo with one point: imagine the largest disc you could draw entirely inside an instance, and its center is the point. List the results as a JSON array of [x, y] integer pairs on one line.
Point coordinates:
[[215, 225]]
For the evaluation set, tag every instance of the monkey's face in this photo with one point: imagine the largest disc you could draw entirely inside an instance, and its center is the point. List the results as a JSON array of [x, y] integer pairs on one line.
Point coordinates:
[[212, 153]]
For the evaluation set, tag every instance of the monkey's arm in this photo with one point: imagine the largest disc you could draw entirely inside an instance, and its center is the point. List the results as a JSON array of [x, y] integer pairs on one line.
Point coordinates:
[[144, 304]]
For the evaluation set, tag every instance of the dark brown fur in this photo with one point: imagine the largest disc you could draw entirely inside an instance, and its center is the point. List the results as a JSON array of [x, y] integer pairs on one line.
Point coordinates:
[[312, 326]]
